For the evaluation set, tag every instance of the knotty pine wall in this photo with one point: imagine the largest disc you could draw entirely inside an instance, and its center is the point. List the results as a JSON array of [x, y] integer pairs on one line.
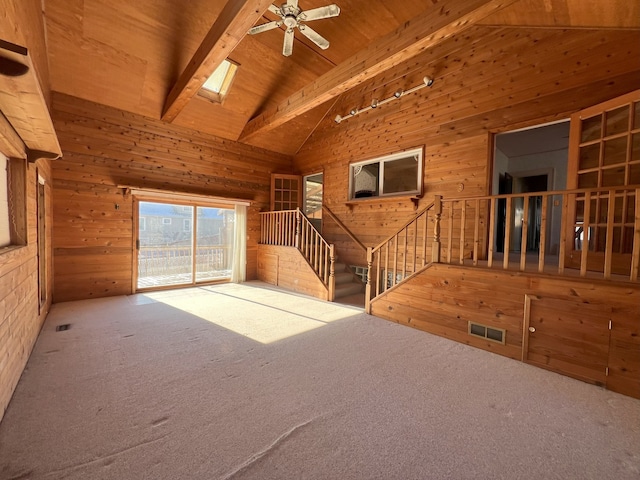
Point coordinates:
[[487, 80], [444, 298], [104, 147], [20, 316]]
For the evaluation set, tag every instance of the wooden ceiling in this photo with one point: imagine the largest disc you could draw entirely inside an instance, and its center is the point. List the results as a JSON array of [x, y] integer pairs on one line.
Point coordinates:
[[134, 55]]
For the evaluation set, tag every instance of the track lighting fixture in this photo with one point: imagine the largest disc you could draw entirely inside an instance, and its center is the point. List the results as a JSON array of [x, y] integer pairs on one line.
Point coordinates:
[[375, 103]]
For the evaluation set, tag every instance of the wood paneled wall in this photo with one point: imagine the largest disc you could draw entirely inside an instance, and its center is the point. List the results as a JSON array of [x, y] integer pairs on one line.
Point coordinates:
[[286, 267], [20, 315], [488, 80], [443, 299], [104, 147], [21, 318]]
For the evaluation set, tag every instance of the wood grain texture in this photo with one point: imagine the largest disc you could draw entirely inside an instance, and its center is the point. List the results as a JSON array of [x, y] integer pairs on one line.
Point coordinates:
[[449, 18], [20, 320], [444, 298], [105, 147], [286, 267]]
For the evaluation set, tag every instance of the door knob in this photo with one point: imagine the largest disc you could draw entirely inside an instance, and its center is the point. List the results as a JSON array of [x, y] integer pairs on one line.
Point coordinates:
[[532, 329]]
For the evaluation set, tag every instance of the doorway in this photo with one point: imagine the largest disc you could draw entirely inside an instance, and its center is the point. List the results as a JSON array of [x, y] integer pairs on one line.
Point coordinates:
[[313, 187], [530, 160], [181, 245]]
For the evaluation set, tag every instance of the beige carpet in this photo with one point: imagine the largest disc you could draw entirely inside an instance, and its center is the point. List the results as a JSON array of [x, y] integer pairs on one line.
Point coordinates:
[[246, 382]]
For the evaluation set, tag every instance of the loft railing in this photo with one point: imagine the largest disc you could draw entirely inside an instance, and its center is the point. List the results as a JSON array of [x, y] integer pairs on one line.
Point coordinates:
[[292, 228], [585, 232]]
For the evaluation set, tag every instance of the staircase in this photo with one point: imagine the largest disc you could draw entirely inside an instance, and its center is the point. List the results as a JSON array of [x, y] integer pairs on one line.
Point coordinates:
[[347, 283]]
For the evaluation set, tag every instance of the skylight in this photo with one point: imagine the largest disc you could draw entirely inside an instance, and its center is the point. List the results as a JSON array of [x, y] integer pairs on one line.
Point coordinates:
[[217, 85]]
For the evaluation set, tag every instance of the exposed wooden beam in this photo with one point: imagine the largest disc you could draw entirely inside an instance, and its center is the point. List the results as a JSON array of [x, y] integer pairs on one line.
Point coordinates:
[[233, 23], [23, 104], [11, 145], [442, 21]]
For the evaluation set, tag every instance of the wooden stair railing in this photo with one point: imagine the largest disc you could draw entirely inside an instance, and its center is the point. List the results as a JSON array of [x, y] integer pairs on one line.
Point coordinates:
[[403, 254], [292, 228], [343, 227]]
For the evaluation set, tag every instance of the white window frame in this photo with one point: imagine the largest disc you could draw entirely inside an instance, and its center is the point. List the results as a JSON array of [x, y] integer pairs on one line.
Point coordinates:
[[166, 221], [415, 152], [186, 224]]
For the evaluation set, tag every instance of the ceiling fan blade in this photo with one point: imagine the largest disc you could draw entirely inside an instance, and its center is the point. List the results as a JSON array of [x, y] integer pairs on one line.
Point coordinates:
[[314, 36], [275, 10], [287, 47], [319, 13], [293, 3], [264, 27]]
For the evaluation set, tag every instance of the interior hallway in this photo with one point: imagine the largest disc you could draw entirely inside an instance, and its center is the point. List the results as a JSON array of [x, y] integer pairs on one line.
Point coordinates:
[[245, 381]]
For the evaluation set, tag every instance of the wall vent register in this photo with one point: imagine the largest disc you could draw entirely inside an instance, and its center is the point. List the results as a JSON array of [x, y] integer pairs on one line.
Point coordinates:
[[494, 334]]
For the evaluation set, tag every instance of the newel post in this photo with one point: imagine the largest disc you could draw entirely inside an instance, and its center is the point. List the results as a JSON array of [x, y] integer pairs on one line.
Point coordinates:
[[367, 295], [332, 273], [298, 227], [437, 210]]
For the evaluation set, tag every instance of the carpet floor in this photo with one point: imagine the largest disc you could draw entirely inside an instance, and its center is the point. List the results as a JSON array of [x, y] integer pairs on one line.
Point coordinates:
[[248, 382]]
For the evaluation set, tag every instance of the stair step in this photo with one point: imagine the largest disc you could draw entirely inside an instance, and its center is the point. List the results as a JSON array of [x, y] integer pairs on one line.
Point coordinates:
[[343, 277], [347, 289]]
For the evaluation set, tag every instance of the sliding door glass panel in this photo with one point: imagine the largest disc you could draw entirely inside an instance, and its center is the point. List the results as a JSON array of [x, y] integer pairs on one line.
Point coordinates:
[[214, 243], [165, 253]]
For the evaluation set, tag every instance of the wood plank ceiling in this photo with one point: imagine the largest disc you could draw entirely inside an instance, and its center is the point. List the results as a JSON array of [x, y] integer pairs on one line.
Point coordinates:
[[130, 55]]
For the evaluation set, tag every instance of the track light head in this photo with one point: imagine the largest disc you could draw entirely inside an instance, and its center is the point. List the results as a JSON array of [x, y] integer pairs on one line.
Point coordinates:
[[428, 81], [398, 93], [338, 119], [353, 111], [374, 103]]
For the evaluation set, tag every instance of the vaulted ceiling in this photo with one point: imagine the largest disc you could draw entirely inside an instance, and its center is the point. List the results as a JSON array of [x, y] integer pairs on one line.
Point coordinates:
[[151, 56]]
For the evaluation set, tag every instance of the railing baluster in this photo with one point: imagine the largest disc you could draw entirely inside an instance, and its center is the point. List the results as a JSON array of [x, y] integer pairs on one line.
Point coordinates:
[[543, 233], [395, 261], [585, 233], [378, 273], [526, 199], [507, 234], [415, 245], [386, 266], [476, 234], [450, 231], [564, 224], [635, 256], [424, 238], [608, 250], [404, 256], [492, 228], [463, 224]]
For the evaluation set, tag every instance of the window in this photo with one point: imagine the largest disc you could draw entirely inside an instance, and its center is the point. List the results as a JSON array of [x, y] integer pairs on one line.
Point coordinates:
[[186, 224], [166, 221], [13, 225], [392, 175], [217, 85]]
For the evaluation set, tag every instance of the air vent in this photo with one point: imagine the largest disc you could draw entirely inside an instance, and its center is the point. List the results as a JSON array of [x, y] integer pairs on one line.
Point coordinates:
[[494, 334], [62, 328]]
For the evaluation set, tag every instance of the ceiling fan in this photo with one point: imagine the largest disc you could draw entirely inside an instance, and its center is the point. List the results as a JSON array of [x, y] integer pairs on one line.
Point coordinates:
[[292, 16]]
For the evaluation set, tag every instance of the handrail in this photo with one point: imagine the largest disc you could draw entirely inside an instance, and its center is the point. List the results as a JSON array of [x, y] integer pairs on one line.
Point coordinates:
[[409, 222], [344, 227], [575, 191]]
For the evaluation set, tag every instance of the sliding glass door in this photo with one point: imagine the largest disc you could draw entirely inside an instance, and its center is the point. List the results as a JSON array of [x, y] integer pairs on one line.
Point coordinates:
[[183, 244]]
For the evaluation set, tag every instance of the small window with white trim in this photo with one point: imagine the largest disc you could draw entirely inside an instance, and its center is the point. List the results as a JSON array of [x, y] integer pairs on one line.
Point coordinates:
[[399, 174], [166, 221]]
